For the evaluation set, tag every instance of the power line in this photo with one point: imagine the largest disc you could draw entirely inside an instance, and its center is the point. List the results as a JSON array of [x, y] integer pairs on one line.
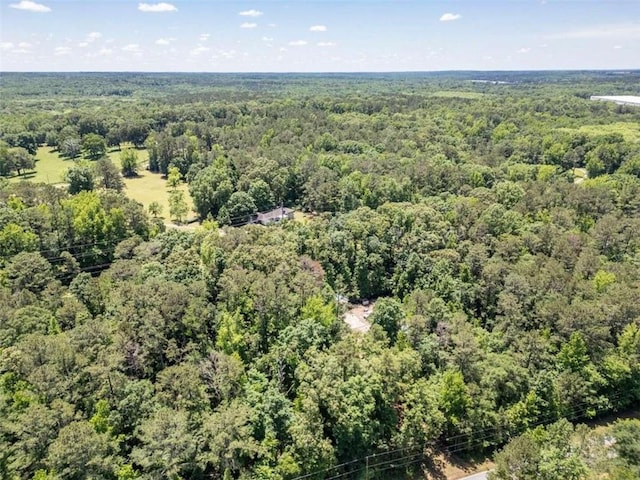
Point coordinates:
[[491, 433]]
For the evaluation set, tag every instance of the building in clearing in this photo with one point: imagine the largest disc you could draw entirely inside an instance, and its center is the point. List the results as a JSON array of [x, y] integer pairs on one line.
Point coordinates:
[[619, 99], [274, 215]]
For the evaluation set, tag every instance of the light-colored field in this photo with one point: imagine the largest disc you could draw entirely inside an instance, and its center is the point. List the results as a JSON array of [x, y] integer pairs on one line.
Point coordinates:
[[580, 175], [50, 167], [630, 131], [150, 187], [147, 187], [454, 94]]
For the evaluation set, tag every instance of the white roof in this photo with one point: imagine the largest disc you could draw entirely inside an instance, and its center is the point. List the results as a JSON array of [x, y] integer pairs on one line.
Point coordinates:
[[624, 99]]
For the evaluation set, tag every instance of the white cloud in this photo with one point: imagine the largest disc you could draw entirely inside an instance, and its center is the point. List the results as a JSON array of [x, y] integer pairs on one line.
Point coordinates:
[[93, 36], [251, 13], [204, 37], [617, 47], [6, 45], [267, 39], [318, 28], [248, 25], [62, 51], [450, 17], [132, 47], [162, 41], [298, 43], [626, 31], [30, 6], [105, 52], [226, 54], [83, 44], [524, 50], [198, 50], [282, 49], [156, 7], [326, 44], [24, 45]]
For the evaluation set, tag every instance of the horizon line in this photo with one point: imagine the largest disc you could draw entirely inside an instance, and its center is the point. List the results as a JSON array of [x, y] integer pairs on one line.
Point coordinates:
[[333, 72]]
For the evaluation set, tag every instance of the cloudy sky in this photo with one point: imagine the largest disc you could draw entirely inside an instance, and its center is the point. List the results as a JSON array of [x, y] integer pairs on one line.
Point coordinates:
[[318, 35]]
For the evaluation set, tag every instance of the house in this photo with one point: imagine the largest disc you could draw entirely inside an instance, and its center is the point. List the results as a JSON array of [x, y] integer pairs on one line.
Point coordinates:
[[274, 215]]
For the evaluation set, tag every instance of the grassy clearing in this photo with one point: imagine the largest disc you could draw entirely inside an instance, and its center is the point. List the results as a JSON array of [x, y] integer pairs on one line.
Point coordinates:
[[50, 167], [580, 175], [150, 187], [454, 94], [630, 131], [147, 187]]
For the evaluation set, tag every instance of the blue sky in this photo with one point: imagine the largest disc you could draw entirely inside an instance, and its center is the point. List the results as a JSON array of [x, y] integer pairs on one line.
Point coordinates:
[[318, 36]]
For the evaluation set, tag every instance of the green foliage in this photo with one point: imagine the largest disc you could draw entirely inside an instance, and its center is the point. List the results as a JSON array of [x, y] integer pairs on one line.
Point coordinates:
[[108, 175], [178, 207], [155, 209], [94, 146], [129, 162], [80, 178], [388, 314], [505, 288], [174, 177]]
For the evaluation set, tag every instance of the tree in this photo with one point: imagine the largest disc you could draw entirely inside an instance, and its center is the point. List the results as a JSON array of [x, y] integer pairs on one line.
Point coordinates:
[[240, 208], [518, 460], [261, 194], [129, 162], [168, 446], [388, 313], [544, 453], [28, 271], [108, 175], [155, 209], [178, 207], [80, 178], [174, 177], [5, 164], [70, 147], [627, 441], [15, 239], [19, 159], [94, 146], [79, 452], [210, 190]]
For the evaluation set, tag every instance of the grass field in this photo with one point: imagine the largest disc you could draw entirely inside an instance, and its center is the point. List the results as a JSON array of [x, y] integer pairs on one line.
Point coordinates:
[[454, 94], [630, 131], [150, 187], [50, 167], [145, 188]]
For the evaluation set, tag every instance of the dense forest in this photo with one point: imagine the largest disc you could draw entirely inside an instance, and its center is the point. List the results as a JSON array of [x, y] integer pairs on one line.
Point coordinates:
[[491, 218]]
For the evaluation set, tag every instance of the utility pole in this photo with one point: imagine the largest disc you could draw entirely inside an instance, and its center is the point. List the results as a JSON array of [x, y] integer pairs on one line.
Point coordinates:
[[366, 468]]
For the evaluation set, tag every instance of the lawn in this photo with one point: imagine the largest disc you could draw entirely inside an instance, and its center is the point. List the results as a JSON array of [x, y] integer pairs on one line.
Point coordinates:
[[456, 94], [150, 187], [50, 167], [145, 188], [629, 130]]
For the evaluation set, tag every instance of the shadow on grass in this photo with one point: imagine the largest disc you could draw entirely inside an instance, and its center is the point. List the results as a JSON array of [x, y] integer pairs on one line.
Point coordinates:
[[25, 176]]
